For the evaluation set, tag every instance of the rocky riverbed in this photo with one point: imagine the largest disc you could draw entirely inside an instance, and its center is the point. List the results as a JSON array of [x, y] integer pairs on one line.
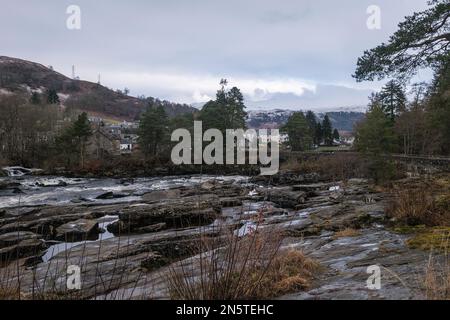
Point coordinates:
[[125, 234]]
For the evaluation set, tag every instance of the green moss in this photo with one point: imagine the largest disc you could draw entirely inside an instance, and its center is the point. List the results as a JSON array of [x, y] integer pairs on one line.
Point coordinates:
[[443, 202], [437, 238], [409, 229]]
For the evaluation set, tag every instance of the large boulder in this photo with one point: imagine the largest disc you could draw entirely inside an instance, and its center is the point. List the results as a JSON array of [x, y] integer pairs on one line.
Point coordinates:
[[179, 213], [13, 238], [26, 248], [285, 197], [78, 230], [161, 195]]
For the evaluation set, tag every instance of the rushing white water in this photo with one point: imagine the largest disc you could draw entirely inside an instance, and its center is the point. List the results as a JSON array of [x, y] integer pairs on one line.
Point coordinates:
[[35, 190], [17, 171], [66, 246]]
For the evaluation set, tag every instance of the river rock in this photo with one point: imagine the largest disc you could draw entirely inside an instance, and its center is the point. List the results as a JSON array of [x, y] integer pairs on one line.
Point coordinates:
[[79, 230], [230, 202], [154, 261], [152, 228], [185, 212], [25, 248], [285, 197], [9, 239], [161, 195], [110, 195]]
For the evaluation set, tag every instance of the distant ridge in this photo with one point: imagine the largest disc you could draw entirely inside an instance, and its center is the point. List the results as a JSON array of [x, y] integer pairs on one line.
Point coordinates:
[[23, 77], [341, 120]]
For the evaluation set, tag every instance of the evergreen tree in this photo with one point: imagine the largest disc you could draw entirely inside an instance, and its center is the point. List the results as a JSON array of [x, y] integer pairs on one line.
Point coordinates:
[[52, 97], [392, 99], [74, 139], [81, 131], [327, 131], [312, 124], [336, 135], [422, 39], [375, 135], [153, 130], [374, 138], [298, 131], [319, 133], [213, 116], [226, 112], [236, 109], [438, 110]]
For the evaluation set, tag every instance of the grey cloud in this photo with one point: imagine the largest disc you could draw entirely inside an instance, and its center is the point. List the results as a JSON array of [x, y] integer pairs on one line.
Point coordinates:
[[314, 40]]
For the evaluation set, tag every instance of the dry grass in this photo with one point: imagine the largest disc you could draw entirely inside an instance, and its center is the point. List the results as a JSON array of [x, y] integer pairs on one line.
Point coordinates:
[[415, 207], [9, 294], [289, 272], [251, 267], [337, 167], [346, 233], [437, 275], [421, 202]]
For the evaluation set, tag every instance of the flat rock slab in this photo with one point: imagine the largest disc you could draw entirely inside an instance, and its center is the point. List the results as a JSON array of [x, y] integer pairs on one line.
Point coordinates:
[[12, 238], [25, 248], [78, 230], [176, 213]]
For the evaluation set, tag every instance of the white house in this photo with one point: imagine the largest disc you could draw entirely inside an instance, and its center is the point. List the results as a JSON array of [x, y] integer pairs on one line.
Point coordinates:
[[126, 146]]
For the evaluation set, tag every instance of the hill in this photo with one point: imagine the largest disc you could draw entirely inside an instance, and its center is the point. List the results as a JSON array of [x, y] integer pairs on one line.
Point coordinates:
[[24, 77]]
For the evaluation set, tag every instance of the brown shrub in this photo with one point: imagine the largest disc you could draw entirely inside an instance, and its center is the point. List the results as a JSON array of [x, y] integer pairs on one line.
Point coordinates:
[[334, 166], [420, 203], [437, 277], [346, 233], [252, 267]]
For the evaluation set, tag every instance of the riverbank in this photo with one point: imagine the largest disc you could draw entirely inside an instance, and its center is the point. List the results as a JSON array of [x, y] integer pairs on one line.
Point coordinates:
[[128, 236]]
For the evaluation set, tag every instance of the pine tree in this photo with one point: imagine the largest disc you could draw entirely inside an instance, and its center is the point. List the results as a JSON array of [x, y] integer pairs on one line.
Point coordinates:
[[421, 40], [327, 130], [392, 99], [153, 130], [319, 133], [375, 135], [336, 135], [72, 142], [226, 112], [52, 97], [236, 109], [298, 131], [312, 124], [81, 131]]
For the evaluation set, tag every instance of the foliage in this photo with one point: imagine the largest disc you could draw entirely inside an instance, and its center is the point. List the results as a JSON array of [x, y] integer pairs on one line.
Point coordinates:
[[226, 112], [421, 40], [327, 131], [392, 99], [336, 135], [52, 97], [299, 132], [74, 139], [375, 135], [153, 130]]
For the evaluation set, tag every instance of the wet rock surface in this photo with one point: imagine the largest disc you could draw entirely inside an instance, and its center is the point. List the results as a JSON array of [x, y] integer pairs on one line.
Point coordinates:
[[131, 257]]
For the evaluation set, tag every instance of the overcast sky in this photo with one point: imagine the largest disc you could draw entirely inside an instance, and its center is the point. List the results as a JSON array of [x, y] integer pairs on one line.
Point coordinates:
[[297, 54]]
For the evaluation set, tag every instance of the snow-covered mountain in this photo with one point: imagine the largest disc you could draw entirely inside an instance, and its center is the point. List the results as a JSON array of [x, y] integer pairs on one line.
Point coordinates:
[[341, 120]]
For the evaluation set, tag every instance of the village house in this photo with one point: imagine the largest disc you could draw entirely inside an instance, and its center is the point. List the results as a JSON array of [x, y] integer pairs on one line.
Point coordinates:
[[103, 144]]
